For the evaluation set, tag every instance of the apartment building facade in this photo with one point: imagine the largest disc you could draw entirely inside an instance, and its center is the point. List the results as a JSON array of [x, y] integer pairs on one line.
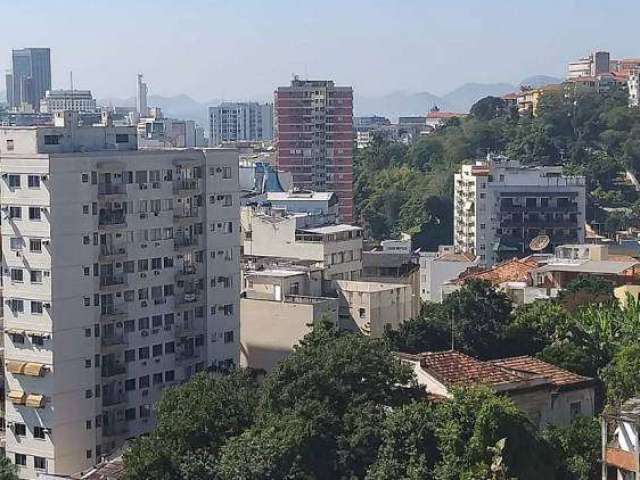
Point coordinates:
[[74, 100], [239, 122], [314, 138], [501, 205], [121, 277]]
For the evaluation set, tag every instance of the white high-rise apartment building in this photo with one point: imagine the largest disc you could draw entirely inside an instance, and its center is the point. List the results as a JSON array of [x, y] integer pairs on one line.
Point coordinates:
[[121, 278], [633, 85], [239, 122], [501, 205]]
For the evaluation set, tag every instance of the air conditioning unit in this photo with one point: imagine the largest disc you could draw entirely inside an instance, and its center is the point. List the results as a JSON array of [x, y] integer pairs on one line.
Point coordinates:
[[143, 186], [145, 333], [157, 359], [143, 303], [143, 215], [156, 272], [157, 244], [143, 245], [143, 275]]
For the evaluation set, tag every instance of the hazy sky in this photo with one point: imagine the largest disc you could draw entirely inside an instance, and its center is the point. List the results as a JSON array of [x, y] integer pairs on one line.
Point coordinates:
[[245, 48]]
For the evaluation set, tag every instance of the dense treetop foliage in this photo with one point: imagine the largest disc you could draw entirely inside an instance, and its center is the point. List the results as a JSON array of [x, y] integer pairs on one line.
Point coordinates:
[[410, 188], [341, 406]]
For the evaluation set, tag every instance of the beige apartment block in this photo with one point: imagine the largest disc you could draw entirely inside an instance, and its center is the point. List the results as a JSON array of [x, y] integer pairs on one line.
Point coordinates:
[[277, 234], [372, 307], [121, 278], [278, 308]]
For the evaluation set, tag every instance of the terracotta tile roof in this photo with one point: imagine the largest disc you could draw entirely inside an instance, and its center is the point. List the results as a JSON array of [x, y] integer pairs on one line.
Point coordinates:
[[559, 377], [457, 369], [514, 270]]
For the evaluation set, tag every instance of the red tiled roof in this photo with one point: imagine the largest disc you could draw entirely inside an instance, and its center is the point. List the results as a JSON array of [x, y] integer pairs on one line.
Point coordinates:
[[514, 270], [457, 369], [559, 377], [456, 257]]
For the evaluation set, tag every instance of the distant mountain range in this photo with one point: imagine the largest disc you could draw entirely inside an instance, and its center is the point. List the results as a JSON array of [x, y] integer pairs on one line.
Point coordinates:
[[391, 105], [459, 100]]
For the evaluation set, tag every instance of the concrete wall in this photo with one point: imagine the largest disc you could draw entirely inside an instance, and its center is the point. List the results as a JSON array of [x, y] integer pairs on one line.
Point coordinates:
[[269, 329]]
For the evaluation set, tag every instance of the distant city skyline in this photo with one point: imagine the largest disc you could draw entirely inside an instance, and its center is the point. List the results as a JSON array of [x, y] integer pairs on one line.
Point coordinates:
[[244, 50]]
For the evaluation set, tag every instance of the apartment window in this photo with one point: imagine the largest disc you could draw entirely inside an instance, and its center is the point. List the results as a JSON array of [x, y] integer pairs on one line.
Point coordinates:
[[227, 309], [20, 429], [89, 455], [226, 172], [168, 290], [33, 181], [87, 332], [228, 336], [37, 340], [227, 201], [38, 432], [145, 411], [129, 296], [169, 376], [157, 350], [21, 459], [88, 393], [122, 138], [167, 262], [143, 353], [143, 323], [87, 425], [40, 463], [16, 243], [168, 319], [227, 227], [199, 340], [157, 378], [35, 245], [87, 363], [34, 213], [16, 275], [128, 266], [169, 348], [15, 212], [143, 265], [36, 308], [16, 306], [86, 239], [143, 382], [156, 263], [36, 276], [130, 385], [143, 294], [14, 181], [129, 356], [129, 326], [98, 421], [85, 209], [130, 414], [52, 139], [10, 145]]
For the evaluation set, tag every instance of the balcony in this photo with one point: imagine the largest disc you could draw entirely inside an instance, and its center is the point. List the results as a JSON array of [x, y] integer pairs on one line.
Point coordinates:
[[114, 340], [185, 243], [112, 252], [111, 219], [183, 215], [120, 428], [188, 299], [113, 369], [187, 270], [113, 282], [110, 189], [112, 312], [111, 399], [185, 186]]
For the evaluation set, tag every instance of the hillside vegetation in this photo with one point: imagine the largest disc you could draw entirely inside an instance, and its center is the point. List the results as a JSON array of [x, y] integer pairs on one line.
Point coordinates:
[[410, 188]]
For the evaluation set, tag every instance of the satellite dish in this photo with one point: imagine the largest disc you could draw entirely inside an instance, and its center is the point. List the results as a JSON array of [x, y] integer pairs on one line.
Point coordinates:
[[539, 243]]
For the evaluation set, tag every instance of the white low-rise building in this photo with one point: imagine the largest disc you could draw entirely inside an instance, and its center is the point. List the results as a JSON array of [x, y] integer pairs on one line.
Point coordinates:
[[438, 268]]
